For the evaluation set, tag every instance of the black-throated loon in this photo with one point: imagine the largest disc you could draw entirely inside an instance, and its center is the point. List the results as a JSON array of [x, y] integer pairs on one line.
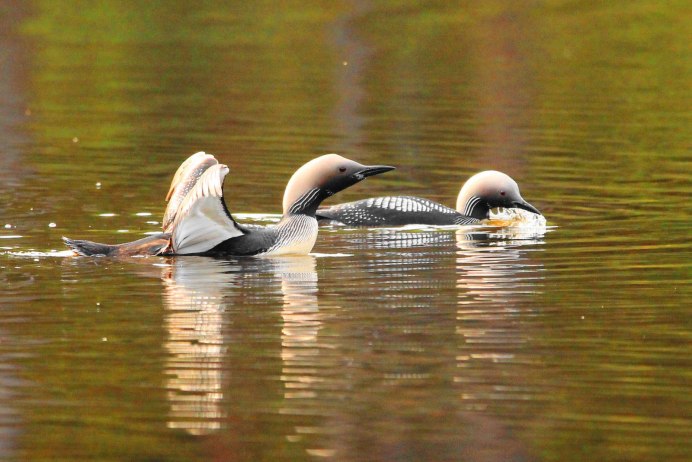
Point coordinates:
[[482, 192], [197, 221]]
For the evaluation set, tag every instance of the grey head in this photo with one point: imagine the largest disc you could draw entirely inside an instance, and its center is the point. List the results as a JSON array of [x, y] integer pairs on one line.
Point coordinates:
[[323, 177], [487, 190]]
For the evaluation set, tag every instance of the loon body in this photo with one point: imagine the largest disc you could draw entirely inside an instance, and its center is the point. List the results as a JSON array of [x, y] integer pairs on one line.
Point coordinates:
[[197, 221], [482, 192], [393, 211]]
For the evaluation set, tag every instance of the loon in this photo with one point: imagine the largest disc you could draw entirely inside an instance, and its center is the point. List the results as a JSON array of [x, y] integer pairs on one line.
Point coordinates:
[[482, 192], [197, 221]]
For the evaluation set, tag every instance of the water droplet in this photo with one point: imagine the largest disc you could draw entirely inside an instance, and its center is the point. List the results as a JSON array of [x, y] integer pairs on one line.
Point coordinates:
[[8, 226], [98, 185], [52, 225]]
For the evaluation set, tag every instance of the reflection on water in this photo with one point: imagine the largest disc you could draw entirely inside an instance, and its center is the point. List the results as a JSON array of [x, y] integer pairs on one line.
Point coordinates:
[[14, 110], [301, 361], [13, 170], [493, 266], [400, 238], [10, 417], [354, 56], [416, 341], [194, 297], [198, 292], [301, 325], [497, 278]]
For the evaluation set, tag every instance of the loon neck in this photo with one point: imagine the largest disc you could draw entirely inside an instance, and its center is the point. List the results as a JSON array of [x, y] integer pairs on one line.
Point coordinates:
[[475, 207], [307, 203]]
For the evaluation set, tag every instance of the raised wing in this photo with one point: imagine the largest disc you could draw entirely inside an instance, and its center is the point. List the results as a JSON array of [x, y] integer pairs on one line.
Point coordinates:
[[202, 221], [184, 180]]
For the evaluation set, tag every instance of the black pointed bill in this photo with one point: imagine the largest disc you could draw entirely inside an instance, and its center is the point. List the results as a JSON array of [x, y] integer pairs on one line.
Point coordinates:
[[372, 170], [526, 206]]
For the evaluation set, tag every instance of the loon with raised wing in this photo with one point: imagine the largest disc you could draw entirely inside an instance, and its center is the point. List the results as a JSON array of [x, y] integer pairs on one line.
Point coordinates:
[[197, 221], [481, 193]]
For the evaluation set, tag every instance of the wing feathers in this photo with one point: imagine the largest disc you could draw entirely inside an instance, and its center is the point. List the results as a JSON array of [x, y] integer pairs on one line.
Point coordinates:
[[201, 221], [184, 180]]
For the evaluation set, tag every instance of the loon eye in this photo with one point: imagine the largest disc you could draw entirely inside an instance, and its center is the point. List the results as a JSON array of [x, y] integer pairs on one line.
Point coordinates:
[[342, 169], [502, 193]]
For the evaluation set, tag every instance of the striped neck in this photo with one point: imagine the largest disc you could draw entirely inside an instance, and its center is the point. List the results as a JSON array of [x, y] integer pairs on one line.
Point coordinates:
[[307, 203], [475, 207]]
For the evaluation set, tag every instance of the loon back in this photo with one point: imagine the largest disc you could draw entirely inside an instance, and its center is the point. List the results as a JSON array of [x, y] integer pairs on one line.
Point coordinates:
[[393, 211]]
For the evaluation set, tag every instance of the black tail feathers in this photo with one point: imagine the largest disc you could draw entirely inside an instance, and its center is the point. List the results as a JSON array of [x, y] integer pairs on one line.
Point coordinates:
[[88, 248]]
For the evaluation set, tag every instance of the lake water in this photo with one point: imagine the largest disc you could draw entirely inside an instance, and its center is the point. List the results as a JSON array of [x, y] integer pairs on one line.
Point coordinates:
[[414, 344]]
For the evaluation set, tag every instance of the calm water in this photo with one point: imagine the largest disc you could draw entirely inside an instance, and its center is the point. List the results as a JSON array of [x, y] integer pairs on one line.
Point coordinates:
[[415, 344]]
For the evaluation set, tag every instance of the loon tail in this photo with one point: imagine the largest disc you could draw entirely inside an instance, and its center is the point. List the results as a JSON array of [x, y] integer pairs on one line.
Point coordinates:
[[156, 244], [88, 248]]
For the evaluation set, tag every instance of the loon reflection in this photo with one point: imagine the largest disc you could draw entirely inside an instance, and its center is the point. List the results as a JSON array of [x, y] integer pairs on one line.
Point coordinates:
[[195, 289], [497, 281], [302, 322], [199, 292], [493, 266], [495, 277]]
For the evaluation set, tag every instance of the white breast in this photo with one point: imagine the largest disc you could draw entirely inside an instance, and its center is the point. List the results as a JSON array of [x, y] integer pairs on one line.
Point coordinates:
[[297, 236]]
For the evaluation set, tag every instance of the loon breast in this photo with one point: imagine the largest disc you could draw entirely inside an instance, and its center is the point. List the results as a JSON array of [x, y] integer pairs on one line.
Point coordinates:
[[293, 235], [296, 235]]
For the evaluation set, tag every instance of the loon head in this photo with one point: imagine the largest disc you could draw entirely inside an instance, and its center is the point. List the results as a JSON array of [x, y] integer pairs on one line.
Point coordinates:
[[487, 190], [323, 177]]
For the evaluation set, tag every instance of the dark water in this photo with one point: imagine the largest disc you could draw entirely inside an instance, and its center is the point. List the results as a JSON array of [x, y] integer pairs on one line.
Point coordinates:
[[387, 345]]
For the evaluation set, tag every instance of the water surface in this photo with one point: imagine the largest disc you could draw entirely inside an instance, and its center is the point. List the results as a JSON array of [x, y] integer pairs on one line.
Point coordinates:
[[478, 344]]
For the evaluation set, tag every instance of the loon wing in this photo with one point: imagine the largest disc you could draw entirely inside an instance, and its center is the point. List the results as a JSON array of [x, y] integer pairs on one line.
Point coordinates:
[[202, 221], [184, 180]]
